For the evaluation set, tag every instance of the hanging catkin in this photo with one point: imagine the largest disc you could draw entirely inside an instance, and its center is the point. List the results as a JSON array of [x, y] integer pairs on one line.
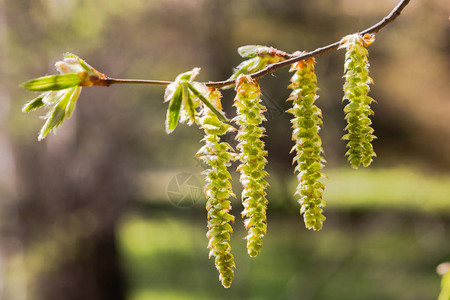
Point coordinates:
[[253, 159], [358, 110], [218, 156], [308, 145]]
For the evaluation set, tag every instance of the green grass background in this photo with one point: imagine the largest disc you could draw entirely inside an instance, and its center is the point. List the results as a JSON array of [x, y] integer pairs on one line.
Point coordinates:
[[386, 232]]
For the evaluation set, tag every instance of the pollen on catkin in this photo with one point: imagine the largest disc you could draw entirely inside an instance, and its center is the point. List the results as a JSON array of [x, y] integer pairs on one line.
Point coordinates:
[[253, 159], [357, 111], [306, 124], [217, 156]]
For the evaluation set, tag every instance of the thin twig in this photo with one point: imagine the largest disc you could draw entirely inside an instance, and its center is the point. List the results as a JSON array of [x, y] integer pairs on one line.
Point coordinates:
[[109, 81], [292, 58]]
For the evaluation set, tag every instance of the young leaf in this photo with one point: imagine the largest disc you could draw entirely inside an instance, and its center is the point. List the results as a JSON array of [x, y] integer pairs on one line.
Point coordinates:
[[205, 101], [72, 101], [250, 66], [187, 100], [259, 58], [52, 98], [173, 113], [252, 50], [52, 82], [262, 51], [56, 116], [84, 64], [34, 104], [189, 76]]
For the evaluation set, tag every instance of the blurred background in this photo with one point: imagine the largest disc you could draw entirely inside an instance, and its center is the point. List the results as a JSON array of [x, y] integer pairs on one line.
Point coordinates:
[[111, 208]]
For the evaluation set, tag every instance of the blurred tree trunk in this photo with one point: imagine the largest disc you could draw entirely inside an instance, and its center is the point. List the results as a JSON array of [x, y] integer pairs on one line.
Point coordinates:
[[65, 214], [68, 207], [67, 217]]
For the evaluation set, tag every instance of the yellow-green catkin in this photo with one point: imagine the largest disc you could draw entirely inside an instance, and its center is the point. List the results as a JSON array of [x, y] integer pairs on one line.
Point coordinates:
[[356, 87], [218, 156], [253, 159], [444, 270], [306, 124]]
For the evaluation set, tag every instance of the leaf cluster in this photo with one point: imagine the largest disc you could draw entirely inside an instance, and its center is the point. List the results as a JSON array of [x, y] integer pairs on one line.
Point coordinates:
[[184, 96], [60, 92], [258, 58]]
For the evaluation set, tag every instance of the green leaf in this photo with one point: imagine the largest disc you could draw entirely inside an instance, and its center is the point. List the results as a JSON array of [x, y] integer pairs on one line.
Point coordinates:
[[185, 76], [70, 55], [252, 50], [34, 104], [53, 97], [187, 97], [249, 66], [72, 101], [173, 113], [56, 116], [205, 101], [188, 76], [85, 66], [52, 82]]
